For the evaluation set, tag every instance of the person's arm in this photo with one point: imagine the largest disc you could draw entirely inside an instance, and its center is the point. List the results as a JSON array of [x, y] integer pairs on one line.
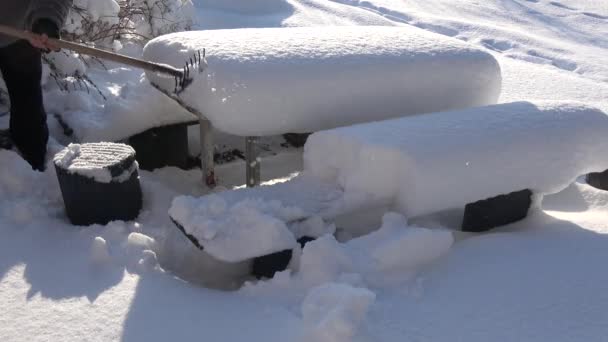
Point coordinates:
[[46, 17]]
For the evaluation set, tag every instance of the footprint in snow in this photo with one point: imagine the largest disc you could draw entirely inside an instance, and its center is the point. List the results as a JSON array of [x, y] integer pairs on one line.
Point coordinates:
[[560, 5], [595, 15], [497, 45]]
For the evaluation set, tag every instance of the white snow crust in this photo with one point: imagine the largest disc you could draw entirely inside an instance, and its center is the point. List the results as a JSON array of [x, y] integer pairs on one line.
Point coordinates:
[[270, 81], [445, 160]]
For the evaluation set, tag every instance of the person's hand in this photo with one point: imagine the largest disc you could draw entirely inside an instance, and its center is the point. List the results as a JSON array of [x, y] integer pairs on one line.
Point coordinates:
[[45, 28], [42, 42]]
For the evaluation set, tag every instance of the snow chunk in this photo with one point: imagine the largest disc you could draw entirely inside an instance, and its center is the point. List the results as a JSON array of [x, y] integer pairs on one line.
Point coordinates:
[[99, 251], [278, 80], [439, 161], [246, 229], [95, 160], [334, 311], [139, 242], [148, 262], [323, 260], [397, 246]]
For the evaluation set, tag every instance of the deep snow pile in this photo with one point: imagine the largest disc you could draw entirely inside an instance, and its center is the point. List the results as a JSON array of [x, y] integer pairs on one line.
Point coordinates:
[[235, 226], [271, 81]]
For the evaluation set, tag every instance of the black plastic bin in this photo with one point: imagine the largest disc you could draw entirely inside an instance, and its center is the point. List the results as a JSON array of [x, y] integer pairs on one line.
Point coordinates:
[[89, 200]]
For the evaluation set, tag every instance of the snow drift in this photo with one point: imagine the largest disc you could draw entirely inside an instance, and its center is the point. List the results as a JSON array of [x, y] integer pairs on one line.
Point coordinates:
[[439, 161], [272, 81]]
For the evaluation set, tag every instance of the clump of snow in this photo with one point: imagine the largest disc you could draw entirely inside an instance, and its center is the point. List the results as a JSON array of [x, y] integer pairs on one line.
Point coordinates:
[[397, 246], [440, 161], [99, 251], [138, 242], [95, 160], [393, 248], [333, 312], [323, 260], [271, 81], [148, 261]]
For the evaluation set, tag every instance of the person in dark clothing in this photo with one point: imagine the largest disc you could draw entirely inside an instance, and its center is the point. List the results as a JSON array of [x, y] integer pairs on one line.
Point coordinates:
[[21, 68]]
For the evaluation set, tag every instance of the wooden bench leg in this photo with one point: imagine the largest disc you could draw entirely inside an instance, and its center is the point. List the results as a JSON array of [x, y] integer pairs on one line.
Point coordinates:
[[207, 162], [253, 161]]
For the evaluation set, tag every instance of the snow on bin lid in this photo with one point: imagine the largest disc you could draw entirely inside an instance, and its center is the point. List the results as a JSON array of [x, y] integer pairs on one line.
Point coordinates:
[[267, 81], [104, 161]]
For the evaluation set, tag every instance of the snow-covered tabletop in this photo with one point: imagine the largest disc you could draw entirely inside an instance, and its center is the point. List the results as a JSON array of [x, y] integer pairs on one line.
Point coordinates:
[[292, 80]]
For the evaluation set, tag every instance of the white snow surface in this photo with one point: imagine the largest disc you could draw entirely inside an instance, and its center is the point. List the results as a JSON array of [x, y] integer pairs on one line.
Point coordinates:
[[541, 279], [429, 163], [270, 81]]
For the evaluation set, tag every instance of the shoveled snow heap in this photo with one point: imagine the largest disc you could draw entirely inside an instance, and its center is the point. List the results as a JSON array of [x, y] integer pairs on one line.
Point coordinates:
[[439, 161], [98, 161], [271, 81], [238, 225]]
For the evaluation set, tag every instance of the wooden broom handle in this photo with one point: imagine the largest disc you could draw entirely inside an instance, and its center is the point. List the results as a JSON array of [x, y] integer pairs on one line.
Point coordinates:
[[87, 50]]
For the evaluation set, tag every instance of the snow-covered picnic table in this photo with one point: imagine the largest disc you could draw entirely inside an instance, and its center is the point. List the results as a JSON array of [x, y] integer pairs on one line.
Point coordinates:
[[272, 81]]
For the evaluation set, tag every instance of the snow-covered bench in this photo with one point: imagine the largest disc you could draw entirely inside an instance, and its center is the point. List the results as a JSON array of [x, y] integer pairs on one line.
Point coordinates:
[[418, 166], [140, 116], [272, 81]]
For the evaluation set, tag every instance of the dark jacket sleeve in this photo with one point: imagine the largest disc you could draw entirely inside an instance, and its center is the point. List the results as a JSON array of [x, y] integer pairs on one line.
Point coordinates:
[[53, 10]]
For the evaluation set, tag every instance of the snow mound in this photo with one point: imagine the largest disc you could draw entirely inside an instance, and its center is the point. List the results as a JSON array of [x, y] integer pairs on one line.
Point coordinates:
[[99, 251], [277, 80], [237, 225], [440, 161], [397, 246], [334, 311], [394, 248]]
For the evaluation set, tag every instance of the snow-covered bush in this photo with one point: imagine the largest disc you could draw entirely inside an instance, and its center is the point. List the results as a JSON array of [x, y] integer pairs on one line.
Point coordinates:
[[103, 21], [109, 24]]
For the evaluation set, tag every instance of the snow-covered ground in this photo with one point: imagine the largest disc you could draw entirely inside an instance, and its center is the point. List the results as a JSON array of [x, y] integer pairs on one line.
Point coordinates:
[[539, 279]]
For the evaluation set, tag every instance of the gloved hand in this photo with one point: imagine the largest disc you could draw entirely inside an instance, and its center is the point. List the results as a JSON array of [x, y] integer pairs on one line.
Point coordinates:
[[45, 28]]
